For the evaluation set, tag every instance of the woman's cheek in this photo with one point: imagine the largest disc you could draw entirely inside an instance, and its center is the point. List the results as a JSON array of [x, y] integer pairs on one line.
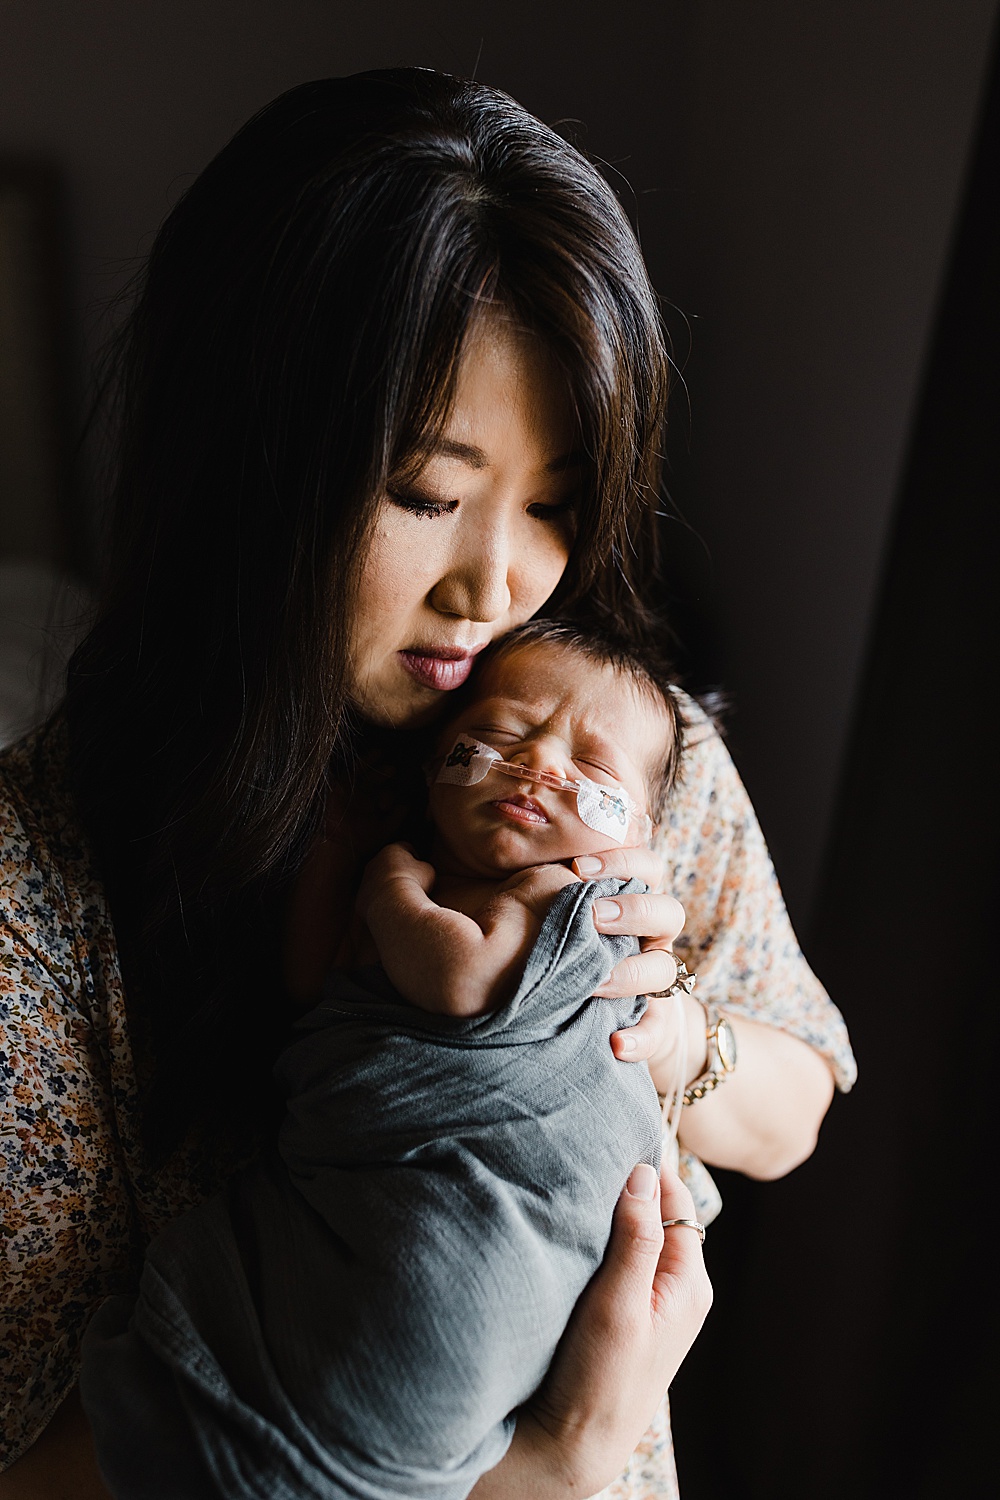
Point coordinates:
[[542, 563]]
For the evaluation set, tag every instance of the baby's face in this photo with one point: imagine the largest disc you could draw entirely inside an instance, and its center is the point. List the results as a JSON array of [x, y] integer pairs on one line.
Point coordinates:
[[549, 708]]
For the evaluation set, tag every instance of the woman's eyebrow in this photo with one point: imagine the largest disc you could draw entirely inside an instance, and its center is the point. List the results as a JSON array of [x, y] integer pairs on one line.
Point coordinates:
[[477, 458], [467, 452], [572, 460]]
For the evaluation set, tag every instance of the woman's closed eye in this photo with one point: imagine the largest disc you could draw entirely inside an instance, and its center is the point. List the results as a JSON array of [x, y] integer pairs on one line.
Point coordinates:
[[556, 510], [421, 505], [418, 504]]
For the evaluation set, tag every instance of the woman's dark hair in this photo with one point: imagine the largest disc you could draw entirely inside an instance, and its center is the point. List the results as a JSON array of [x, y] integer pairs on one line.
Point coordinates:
[[291, 348]]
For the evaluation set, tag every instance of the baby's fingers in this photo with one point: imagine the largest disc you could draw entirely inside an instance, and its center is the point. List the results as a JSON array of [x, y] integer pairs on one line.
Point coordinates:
[[393, 866]]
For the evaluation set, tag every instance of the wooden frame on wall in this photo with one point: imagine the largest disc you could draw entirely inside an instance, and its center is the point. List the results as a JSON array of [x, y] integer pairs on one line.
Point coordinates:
[[37, 520]]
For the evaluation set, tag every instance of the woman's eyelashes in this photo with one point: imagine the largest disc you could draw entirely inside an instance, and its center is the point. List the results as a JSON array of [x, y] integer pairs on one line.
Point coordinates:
[[417, 504], [557, 510], [421, 505]]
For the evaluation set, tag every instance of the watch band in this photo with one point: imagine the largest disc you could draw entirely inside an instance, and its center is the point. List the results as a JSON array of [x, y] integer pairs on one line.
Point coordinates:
[[721, 1055]]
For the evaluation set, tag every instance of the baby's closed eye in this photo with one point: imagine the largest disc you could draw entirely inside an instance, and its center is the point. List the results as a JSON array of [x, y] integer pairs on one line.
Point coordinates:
[[589, 766], [494, 734]]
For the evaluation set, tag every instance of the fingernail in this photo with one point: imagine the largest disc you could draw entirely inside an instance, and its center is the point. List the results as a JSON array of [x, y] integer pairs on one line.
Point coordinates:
[[606, 911], [642, 1183], [588, 865], [626, 1043]]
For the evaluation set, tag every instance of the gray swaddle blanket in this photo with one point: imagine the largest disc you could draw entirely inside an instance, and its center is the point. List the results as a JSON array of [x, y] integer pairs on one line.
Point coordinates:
[[360, 1314]]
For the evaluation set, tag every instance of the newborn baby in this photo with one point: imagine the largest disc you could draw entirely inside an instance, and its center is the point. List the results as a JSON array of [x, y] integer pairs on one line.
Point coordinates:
[[361, 1313]]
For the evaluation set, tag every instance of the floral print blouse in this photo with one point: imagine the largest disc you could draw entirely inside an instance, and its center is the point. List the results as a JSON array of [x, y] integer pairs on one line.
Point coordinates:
[[77, 1203]]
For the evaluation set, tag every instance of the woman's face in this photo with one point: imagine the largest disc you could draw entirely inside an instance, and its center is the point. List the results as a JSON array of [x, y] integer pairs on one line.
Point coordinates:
[[478, 541]]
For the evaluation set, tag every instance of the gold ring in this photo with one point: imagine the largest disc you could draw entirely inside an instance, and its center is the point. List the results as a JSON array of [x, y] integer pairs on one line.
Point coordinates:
[[683, 980], [699, 1229]]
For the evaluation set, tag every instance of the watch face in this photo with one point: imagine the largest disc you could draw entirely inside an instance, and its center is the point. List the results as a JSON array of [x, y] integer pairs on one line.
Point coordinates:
[[726, 1043]]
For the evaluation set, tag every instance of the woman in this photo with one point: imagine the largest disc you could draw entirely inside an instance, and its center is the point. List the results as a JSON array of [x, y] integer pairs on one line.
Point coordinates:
[[393, 381]]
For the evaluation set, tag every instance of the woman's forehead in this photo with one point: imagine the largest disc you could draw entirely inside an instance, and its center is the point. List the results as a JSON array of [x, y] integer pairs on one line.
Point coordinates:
[[508, 380]]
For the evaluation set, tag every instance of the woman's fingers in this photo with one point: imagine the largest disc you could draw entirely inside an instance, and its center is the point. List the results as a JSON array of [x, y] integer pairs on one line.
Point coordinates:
[[633, 1254], [625, 1341], [645, 973], [655, 918], [649, 1036], [643, 1260], [622, 864], [682, 1292]]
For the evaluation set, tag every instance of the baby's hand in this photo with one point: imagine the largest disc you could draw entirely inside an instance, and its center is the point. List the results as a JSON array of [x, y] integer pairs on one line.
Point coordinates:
[[536, 886], [441, 959], [394, 873]]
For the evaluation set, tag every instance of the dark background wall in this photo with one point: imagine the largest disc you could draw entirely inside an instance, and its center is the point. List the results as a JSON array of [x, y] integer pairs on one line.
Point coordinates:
[[794, 170], [796, 173]]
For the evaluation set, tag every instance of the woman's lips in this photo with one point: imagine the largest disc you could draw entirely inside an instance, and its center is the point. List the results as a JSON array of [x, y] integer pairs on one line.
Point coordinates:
[[521, 809], [444, 669]]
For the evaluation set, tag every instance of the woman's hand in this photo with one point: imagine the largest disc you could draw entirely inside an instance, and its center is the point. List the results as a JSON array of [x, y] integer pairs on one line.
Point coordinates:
[[625, 1342], [655, 919]]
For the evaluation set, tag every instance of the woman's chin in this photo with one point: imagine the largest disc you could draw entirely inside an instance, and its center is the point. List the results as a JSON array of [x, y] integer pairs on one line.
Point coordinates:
[[407, 709]]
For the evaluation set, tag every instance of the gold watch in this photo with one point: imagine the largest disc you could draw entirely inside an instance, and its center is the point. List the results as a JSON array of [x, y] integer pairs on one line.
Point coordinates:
[[721, 1055]]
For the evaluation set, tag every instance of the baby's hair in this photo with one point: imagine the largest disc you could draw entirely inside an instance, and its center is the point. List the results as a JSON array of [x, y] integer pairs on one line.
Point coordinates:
[[650, 673]]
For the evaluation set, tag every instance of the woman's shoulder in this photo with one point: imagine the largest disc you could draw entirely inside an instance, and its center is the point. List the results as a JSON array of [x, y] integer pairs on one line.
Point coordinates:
[[49, 894], [708, 788]]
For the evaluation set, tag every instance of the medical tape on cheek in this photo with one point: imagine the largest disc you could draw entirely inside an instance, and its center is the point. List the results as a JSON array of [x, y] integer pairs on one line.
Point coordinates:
[[607, 810], [604, 809], [467, 762]]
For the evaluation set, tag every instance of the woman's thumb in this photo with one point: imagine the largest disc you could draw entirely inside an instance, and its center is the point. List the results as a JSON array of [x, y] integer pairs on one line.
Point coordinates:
[[643, 1184], [636, 1233]]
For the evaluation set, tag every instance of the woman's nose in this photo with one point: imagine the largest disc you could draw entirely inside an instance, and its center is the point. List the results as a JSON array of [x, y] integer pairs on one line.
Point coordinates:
[[475, 585]]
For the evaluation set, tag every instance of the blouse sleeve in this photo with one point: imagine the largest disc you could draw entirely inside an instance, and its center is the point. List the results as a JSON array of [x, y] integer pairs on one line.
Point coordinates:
[[737, 937], [67, 1232], [78, 1197]]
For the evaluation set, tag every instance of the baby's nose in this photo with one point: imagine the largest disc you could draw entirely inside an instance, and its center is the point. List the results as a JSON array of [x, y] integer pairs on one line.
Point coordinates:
[[546, 755]]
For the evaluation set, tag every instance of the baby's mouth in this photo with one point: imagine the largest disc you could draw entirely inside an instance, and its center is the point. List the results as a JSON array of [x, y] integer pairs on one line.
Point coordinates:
[[521, 809]]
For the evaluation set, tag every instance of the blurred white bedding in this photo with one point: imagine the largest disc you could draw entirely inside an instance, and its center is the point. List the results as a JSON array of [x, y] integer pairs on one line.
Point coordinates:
[[43, 614]]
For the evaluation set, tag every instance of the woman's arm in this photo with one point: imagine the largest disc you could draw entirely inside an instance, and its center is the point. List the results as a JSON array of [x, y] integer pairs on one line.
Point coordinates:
[[765, 1119], [625, 1342]]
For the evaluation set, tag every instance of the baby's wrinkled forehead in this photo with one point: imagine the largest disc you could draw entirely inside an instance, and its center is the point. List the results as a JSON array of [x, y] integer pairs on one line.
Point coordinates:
[[594, 705]]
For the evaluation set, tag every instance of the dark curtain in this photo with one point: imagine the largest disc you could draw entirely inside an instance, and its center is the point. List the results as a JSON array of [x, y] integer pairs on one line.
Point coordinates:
[[852, 1349]]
